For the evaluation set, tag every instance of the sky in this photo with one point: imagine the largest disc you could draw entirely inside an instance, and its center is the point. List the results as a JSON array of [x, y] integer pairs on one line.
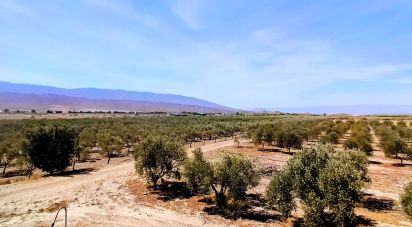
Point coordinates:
[[243, 54]]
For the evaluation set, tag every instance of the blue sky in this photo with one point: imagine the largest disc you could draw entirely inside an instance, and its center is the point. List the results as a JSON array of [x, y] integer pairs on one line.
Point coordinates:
[[244, 54]]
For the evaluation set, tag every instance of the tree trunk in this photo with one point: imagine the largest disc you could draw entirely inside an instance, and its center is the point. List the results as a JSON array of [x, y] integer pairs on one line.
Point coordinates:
[[4, 168], [74, 163], [108, 160], [215, 139], [221, 200], [220, 197], [154, 182]]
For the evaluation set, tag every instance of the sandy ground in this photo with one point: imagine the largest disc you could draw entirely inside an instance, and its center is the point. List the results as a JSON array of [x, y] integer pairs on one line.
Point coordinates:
[[98, 198]]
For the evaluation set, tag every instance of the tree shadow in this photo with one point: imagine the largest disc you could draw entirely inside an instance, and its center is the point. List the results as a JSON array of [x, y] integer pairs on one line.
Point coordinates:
[[269, 149], [359, 221], [401, 165], [168, 191], [14, 173], [248, 214], [364, 221], [378, 204], [253, 211], [374, 162], [71, 173]]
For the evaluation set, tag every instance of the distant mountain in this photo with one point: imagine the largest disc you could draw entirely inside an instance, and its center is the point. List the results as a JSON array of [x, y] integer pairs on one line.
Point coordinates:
[[352, 109], [36, 96]]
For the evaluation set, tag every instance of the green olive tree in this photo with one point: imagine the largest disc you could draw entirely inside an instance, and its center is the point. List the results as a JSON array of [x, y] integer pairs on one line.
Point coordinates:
[[157, 157]]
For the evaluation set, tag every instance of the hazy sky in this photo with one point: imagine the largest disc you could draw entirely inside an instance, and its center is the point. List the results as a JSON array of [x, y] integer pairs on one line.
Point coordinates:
[[244, 54]]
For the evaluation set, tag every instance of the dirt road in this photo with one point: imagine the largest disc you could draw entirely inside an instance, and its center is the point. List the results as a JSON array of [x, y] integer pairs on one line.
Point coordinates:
[[98, 198]]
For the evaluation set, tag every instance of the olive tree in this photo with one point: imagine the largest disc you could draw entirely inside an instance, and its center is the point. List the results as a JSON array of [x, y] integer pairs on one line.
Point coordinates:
[[157, 157], [331, 137], [279, 194], [109, 143], [397, 148], [233, 175], [23, 161], [406, 199], [229, 177], [198, 172], [289, 139], [50, 148], [9, 151], [328, 182]]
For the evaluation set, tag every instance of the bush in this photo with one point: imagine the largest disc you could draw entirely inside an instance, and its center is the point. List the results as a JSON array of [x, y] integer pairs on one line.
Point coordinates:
[[157, 157], [50, 148], [406, 199], [328, 182]]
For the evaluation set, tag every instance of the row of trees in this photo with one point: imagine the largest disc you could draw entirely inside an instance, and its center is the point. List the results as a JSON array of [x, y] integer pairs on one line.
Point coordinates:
[[106, 136], [360, 137], [53, 148], [393, 145], [285, 134], [333, 131], [327, 181]]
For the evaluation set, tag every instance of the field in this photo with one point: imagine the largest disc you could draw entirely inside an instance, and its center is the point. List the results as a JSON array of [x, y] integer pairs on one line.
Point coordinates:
[[101, 194]]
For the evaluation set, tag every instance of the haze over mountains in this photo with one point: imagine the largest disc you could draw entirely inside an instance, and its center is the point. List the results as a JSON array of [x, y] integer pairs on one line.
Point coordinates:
[[27, 96]]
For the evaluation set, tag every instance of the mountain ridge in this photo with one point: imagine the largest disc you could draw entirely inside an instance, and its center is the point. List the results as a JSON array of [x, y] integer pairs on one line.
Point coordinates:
[[34, 96], [43, 102], [112, 94]]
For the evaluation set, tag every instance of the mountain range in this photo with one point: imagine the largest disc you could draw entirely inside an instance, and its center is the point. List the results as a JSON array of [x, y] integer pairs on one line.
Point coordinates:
[[28, 96]]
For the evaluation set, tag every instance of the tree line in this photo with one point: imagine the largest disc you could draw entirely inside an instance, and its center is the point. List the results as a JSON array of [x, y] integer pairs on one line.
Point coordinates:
[[393, 139]]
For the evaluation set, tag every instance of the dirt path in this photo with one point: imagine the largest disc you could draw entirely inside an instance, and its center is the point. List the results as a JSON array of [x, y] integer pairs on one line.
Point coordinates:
[[97, 198]]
